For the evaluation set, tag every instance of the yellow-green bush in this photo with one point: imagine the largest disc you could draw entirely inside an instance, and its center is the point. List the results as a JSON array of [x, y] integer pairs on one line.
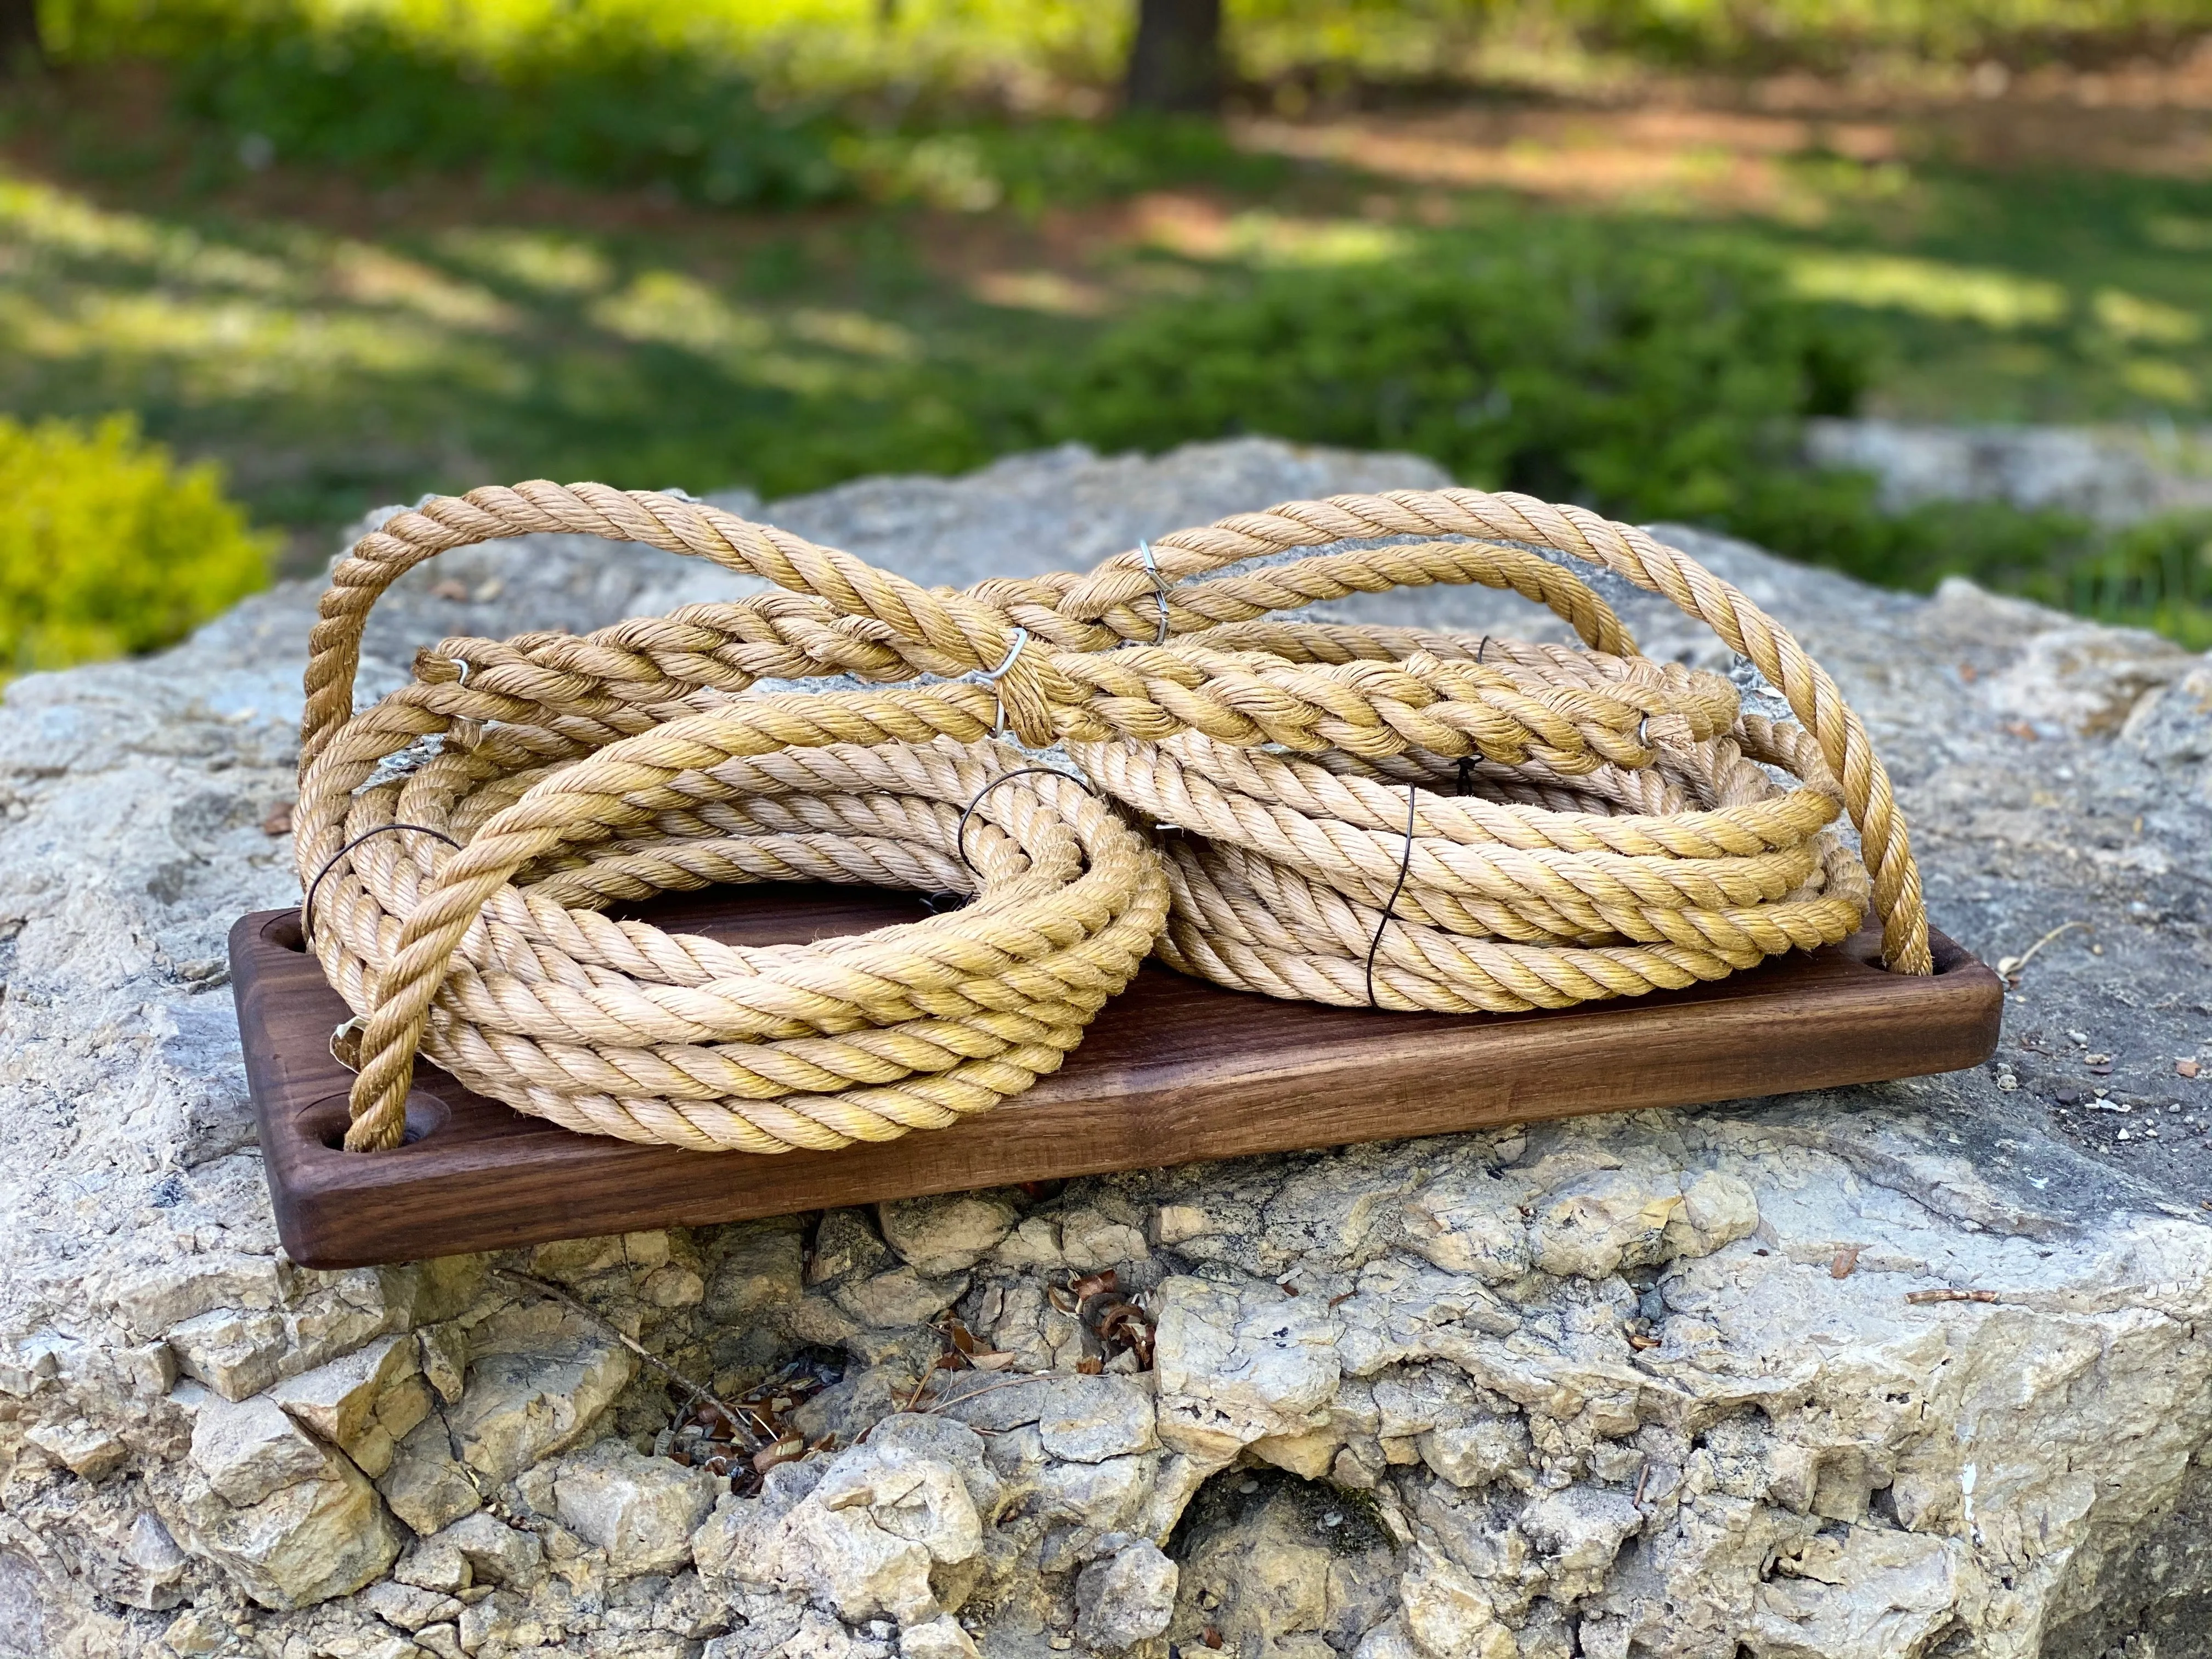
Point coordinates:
[[108, 546]]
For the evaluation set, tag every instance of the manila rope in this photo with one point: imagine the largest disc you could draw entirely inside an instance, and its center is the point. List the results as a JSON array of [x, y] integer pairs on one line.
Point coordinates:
[[1378, 816]]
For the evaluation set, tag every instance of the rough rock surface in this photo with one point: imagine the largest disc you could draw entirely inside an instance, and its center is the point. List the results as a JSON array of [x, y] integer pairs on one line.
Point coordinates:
[[1394, 1413], [2114, 475]]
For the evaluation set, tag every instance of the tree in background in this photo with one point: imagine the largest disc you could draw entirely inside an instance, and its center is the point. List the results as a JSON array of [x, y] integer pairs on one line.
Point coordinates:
[[1174, 63], [19, 35]]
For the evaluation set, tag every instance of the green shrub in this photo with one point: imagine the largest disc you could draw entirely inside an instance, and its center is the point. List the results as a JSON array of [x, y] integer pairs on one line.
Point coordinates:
[[107, 546], [599, 107], [1646, 382], [2155, 575]]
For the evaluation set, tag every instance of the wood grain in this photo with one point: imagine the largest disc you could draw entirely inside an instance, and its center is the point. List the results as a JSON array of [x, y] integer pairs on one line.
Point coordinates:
[[1174, 1070]]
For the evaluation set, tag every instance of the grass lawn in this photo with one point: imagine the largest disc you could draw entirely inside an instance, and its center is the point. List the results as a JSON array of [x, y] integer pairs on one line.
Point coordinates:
[[338, 343]]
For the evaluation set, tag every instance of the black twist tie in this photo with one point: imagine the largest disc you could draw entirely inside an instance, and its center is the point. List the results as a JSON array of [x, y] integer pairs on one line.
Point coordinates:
[[960, 835], [1405, 864], [307, 908]]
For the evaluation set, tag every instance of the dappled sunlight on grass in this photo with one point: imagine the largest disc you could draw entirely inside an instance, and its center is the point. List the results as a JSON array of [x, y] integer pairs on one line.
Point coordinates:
[[205, 350], [2131, 318], [539, 260], [339, 339], [1197, 228], [330, 369], [1633, 160], [749, 343], [376, 276], [41, 221], [1993, 298], [1047, 291], [2162, 381]]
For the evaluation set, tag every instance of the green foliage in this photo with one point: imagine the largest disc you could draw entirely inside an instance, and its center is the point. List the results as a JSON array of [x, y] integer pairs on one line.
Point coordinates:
[[1829, 32], [2155, 575], [1033, 165], [596, 106], [1647, 381], [107, 546]]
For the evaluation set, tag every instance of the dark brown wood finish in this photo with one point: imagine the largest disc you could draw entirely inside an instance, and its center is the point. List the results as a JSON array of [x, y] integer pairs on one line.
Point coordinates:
[[1173, 1070]]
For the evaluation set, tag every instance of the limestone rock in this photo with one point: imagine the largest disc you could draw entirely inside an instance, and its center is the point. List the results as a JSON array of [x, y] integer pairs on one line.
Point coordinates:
[[2115, 475], [1868, 1594], [1237, 1362], [2085, 680], [938, 1638], [435, 1564], [291, 1522], [1397, 1407], [1126, 1598], [868, 1533], [1089, 1239], [365, 1403], [1087, 1420], [235, 1352], [80, 1446], [495, 1551], [640, 1510], [426, 1487], [104, 1537], [1446, 1613], [863, 1541], [937, 1237], [337, 1400], [901, 1296], [1477, 1450], [249, 1450], [539, 1380], [846, 1245], [1272, 1565], [408, 1607]]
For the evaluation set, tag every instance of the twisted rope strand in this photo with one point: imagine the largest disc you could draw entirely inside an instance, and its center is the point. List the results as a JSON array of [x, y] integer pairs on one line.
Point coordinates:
[[1576, 822]]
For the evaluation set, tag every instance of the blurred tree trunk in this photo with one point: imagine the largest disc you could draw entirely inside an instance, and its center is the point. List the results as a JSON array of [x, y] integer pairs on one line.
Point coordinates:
[[19, 35], [1176, 63]]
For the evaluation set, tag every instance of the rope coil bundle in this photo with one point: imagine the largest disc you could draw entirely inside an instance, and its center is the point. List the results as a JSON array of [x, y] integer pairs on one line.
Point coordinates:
[[1621, 834], [1557, 880]]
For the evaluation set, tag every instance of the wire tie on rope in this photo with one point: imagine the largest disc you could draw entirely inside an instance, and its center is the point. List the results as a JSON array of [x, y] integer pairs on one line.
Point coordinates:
[[1159, 588], [1466, 775], [1479, 649], [339, 1033], [1406, 864], [960, 835], [992, 676], [307, 908]]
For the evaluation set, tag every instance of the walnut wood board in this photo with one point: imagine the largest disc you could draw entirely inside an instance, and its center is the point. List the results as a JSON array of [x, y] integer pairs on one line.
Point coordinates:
[[1173, 1070]]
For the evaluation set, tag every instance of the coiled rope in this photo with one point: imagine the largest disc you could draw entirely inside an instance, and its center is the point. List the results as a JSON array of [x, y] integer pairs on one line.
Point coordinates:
[[1621, 834]]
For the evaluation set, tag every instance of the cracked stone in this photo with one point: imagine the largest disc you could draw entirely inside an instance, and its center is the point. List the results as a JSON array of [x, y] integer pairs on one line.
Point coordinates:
[[640, 1510]]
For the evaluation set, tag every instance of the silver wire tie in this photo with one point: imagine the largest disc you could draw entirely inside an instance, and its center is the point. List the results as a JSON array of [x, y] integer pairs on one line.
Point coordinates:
[[1159, 588], [992, 677]]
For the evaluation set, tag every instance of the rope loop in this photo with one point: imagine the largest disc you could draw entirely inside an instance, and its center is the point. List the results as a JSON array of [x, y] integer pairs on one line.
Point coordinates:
[[1578, 822]]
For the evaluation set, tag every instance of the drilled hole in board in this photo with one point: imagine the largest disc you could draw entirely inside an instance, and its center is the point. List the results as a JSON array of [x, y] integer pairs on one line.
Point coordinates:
[[284, 932], [327, 1121]]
